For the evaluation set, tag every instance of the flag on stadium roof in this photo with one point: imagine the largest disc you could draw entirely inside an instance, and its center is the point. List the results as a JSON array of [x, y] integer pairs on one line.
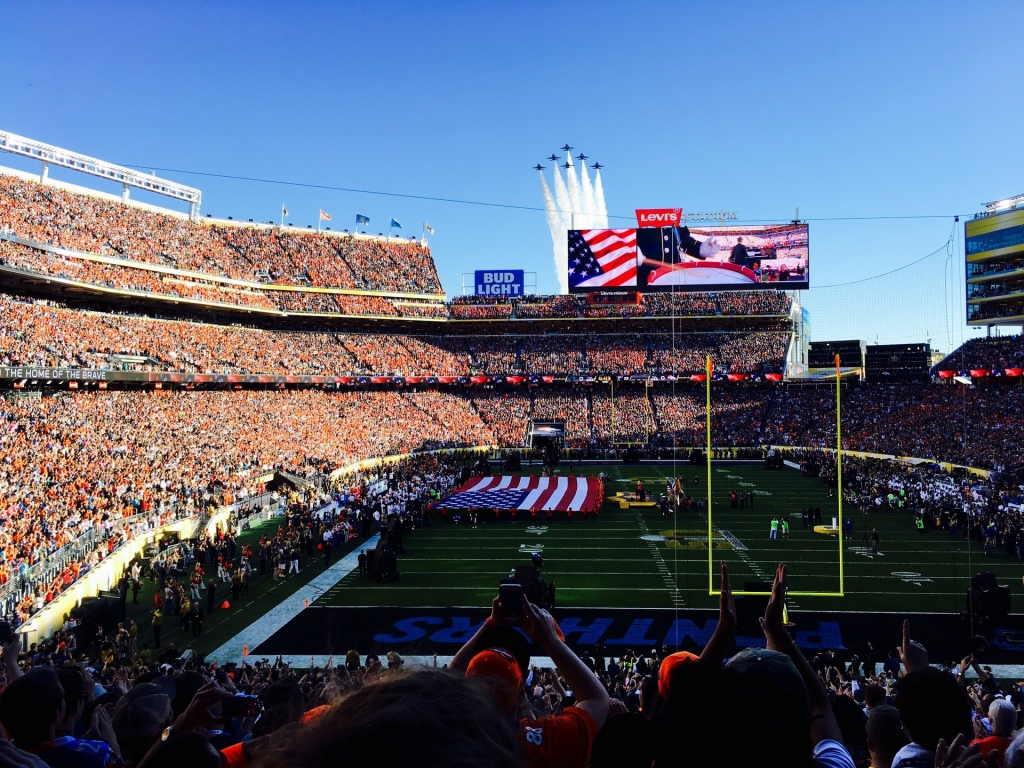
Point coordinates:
[[509, 492], [602, 257], [428, 228], [324, 216], [395, 224], [360, 219], [284, 211]]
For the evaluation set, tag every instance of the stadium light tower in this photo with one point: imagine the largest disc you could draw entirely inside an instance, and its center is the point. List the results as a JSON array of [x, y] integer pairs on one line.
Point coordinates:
[[49, 155], [1004, 205]]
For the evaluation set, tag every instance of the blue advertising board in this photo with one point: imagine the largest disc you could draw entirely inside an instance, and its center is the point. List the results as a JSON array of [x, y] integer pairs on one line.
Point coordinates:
[[504, 282]]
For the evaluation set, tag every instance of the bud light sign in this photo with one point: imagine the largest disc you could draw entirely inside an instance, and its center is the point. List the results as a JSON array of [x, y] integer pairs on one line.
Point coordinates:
[[505, 283]]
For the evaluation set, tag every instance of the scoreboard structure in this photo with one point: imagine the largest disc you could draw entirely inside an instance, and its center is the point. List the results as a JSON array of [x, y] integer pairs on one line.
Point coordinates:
[[897, 362]]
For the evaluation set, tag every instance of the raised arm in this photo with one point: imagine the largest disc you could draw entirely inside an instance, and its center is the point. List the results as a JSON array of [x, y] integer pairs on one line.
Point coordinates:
[[718, 646], [823, 723], [590, 694]]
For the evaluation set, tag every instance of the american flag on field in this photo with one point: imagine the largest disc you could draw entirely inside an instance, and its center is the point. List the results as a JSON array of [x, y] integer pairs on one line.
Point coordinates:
[[554, 494], [601, 258]]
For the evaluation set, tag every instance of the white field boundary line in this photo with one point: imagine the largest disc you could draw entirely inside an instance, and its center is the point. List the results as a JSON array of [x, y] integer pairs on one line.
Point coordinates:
[[278, 616]]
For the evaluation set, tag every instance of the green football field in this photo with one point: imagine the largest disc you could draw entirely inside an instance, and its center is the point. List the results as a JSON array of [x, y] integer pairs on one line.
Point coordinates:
[[634, 558]]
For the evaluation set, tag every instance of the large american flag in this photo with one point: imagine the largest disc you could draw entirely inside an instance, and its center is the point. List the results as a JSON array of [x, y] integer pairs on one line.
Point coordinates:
[[554, 494], [600, 258]]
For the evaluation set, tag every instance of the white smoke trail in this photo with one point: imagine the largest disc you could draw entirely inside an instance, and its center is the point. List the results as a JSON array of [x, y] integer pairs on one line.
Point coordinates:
[[573, 183], [559, 236], [587, 198], [602, 209], [562, 199], [550, 209]]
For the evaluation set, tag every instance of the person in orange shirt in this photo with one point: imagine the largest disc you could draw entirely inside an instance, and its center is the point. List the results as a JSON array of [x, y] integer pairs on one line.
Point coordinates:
[[498, 655], [1002, 714]]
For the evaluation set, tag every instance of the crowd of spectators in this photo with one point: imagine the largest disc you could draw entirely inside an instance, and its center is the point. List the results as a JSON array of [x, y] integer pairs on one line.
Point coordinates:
[[626, 354], [754, 303], [749, 353], [992, 267], [74, 463], [995, 309], [39, 334], [159, 284], [626, 419], [568, 406], [990, 290], [551, 354], [507, 414], [480, 307], [101, 701], [549, 306], [736, 419], [48, 214], [973, 426], [660, 304], [493, 354], [418, 308], [986, 353]]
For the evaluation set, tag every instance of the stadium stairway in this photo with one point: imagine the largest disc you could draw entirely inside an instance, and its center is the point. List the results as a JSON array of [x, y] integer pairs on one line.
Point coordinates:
[[767, 413], [653, 411]]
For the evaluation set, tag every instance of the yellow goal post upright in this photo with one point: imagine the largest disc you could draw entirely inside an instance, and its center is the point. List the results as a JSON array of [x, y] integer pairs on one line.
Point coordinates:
[[708, 369]]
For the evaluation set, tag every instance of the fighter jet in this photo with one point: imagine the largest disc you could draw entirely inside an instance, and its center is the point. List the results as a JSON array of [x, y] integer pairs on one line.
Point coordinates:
[[553, 158], [538, 167], [581, 157], [566, 148], [567, 164], [597, 166]]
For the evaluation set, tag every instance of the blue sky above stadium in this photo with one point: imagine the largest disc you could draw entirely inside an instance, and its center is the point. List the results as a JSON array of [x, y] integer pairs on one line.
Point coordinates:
[[855, 110]]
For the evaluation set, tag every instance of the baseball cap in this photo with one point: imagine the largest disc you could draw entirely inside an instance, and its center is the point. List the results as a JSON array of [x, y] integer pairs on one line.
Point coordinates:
[[142, 712], [499, 664], [776, 675], [668, 665], [509, 639]]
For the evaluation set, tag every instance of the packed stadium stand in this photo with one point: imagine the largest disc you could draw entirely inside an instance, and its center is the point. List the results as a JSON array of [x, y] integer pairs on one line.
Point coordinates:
[[993, 354], [150, 371]]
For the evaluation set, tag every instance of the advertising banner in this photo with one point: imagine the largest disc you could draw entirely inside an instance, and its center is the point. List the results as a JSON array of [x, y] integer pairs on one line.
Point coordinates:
[[506, 282], [679, 258]]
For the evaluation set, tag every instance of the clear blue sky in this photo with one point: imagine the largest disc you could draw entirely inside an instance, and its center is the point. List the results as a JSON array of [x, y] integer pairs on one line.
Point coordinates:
[[857, 109]]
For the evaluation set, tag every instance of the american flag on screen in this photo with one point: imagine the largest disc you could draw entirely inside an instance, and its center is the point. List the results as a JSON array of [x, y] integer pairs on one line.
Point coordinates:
[[600, 258], [555, 494]]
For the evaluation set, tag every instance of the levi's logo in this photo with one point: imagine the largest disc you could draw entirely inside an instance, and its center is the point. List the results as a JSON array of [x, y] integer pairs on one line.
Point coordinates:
[[659, 217]]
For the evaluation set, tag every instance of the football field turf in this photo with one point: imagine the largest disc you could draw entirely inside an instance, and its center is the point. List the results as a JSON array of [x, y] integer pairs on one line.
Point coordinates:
[[634, 558]]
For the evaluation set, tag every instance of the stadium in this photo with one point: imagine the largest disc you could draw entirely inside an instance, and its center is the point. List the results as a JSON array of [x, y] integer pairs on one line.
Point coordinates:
[[262, 454]]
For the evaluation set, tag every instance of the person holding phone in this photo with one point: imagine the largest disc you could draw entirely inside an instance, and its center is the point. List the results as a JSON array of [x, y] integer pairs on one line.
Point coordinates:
[[495, 654]]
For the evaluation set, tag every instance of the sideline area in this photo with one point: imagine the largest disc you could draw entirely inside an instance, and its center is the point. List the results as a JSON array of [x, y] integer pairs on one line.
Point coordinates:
[[277, 617]]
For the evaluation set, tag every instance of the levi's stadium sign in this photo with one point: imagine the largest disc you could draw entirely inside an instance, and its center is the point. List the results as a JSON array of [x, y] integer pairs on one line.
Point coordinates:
[[659, 217], [674, 217]]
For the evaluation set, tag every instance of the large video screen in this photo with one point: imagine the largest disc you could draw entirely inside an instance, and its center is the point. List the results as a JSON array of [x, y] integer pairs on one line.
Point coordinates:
[[689, 259]]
